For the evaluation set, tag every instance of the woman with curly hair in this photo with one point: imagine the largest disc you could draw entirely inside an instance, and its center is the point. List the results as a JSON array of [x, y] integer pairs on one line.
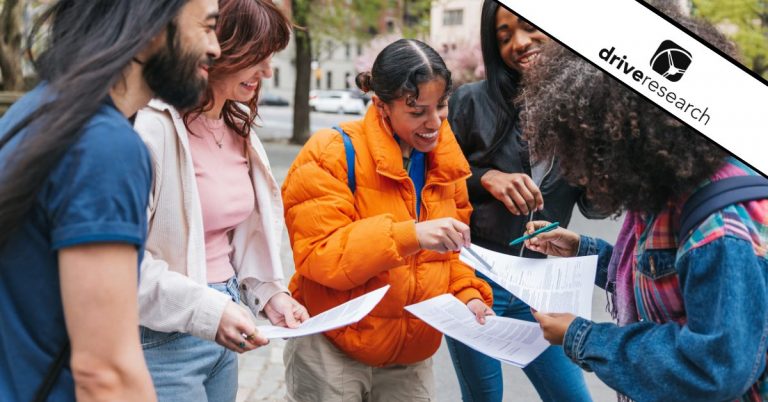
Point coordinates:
[[691, 306]]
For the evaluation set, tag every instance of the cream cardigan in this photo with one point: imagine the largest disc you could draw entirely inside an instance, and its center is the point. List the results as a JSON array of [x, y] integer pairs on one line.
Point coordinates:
[[173, 293]]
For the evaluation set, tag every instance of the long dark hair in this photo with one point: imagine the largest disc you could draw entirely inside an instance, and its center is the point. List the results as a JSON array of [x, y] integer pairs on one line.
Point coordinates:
[[503, 81], [90, 43], [249, 31], [400, 68]]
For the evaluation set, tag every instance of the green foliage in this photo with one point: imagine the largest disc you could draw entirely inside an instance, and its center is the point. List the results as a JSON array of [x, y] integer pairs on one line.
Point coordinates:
[[745, 22], [362, 19]]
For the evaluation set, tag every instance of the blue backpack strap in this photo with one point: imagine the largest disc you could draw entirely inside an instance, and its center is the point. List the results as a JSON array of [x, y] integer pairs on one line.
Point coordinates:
[[349, 150], [718, 195]]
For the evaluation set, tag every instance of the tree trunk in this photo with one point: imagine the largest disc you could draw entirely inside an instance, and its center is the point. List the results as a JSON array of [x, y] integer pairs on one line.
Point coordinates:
[[10, 45], [301, 128]]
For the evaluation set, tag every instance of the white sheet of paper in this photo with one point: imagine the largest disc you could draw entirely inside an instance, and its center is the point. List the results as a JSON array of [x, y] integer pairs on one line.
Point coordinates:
[[509, 340], [551, 285], [339, 316]]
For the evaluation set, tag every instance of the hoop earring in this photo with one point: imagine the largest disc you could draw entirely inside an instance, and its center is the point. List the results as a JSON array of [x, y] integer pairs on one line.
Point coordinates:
[[387, 125]]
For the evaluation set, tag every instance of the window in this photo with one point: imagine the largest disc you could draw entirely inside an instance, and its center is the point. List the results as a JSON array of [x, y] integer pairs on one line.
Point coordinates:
[[347, 78], [359, 49], [276, 77], [453, 17], [317, 81], [329, 80], [347, 50]]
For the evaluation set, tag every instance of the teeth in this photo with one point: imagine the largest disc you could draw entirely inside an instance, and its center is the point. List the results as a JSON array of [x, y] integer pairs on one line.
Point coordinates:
[[428, 136]]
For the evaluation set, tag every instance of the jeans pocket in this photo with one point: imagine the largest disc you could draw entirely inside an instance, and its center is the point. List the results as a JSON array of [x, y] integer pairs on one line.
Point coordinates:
[[230, 288], [152, 339]]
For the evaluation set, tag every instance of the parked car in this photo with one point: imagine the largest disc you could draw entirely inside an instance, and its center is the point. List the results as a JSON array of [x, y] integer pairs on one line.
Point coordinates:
[[365, 96], [270, 99], [336, 102], [313, 99]]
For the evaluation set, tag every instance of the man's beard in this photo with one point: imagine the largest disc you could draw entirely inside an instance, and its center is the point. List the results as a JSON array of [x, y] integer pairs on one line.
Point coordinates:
[[172, 74]]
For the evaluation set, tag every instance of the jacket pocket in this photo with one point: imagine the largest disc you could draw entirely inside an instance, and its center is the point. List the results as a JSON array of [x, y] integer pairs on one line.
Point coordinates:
[[657, 287]]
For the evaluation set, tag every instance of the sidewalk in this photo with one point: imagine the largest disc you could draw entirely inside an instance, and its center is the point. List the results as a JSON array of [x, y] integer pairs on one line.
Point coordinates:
[[261, 374]]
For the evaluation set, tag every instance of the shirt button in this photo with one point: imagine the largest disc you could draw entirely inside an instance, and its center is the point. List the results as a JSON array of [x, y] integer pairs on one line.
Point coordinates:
[[256, 301]]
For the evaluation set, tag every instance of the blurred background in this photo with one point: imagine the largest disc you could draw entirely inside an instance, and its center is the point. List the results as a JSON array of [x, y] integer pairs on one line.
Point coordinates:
[[313, 87], [336, 39]]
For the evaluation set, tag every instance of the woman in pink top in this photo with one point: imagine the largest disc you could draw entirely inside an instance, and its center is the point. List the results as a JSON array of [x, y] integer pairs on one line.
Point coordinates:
[[216, 220]]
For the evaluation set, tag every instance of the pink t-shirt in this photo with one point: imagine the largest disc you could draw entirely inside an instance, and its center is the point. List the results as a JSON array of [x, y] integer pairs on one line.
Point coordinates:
[[226, 191]]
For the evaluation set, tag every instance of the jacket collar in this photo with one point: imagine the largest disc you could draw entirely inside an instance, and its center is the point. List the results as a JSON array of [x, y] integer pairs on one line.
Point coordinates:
[[445, 164], [161, 106]]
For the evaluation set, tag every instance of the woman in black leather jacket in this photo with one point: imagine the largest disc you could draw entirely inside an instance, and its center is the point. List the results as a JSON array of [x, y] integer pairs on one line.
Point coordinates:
[[507, 190]]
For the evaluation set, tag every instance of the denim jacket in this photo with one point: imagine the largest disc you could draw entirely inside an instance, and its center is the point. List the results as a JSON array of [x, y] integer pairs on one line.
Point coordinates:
[[715, 351]]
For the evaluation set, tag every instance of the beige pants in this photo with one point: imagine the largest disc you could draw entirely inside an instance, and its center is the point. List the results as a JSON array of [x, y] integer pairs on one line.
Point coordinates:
[[316, 371]]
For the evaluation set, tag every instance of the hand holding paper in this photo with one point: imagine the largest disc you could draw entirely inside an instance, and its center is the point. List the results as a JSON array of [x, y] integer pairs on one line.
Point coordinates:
[[512, 341], [345, 314], [554, 325]]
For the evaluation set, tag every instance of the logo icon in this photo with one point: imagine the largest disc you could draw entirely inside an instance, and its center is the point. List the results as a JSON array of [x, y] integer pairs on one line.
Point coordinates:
[[671, 60]]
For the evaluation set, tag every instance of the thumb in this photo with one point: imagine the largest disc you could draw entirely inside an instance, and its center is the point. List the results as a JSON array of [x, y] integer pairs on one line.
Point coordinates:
[[532, 226], [540, 317], [290, 319], [463, 229], [480, 315]]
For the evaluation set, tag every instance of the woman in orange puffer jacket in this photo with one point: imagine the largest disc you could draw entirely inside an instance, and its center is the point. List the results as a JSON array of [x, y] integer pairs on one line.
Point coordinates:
[[347, 242]]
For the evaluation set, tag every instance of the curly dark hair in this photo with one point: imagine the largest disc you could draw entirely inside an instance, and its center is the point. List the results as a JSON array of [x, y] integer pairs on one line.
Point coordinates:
[[628, 153]]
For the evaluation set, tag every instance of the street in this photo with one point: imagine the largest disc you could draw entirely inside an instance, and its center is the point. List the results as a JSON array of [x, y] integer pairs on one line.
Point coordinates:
[[278, 121], [261, 371]]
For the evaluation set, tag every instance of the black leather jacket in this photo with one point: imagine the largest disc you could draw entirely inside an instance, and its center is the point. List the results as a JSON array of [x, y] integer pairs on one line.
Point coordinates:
[[473, 120]]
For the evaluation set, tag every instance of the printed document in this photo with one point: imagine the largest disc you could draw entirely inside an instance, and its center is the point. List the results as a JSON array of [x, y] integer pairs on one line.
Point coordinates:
[[511, 341], [551, 285], [345, 314]]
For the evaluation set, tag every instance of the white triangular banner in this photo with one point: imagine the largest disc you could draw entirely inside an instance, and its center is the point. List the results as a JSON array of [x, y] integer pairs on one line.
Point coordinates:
[[664, 64]]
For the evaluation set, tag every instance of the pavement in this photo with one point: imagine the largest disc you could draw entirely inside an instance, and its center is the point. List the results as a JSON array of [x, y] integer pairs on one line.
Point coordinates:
[[261, 371]]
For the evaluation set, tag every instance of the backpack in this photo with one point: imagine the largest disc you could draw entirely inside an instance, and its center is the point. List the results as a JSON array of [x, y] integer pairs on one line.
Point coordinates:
[[349, 150], [716, 196]]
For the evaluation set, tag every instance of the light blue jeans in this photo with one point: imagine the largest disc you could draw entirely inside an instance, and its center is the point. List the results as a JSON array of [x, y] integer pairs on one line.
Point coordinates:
[[553, 375], [185, 368]]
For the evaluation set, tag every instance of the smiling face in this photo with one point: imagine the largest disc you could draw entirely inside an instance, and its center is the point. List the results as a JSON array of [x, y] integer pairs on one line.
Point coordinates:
[[417, 121], [519, 42], [242, 85], [178, 71]]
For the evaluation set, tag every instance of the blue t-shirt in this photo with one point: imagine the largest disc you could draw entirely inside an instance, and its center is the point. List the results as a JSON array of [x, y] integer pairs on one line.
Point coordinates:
[[98, 192]]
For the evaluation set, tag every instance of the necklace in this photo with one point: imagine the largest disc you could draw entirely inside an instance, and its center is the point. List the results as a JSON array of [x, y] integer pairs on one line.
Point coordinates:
[[218, 141]]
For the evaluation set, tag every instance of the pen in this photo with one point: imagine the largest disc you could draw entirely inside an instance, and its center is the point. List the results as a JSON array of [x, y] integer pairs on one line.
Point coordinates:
[[478, 258], [547, 228]]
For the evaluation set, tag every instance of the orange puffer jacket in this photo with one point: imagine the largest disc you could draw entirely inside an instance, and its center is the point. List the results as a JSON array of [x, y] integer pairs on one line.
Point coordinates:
[[346, 244]]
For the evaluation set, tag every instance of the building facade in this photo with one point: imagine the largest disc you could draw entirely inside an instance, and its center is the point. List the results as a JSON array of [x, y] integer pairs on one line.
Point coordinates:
[[454, 23]]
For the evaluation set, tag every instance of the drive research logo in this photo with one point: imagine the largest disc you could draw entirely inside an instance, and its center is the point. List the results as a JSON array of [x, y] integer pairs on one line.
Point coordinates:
[[671, 61], [667, 59]]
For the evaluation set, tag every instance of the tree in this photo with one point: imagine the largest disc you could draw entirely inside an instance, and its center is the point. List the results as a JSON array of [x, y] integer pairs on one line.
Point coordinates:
[[465, 62], [11, 27], [301, 127], [745, 22], [320, 20]]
